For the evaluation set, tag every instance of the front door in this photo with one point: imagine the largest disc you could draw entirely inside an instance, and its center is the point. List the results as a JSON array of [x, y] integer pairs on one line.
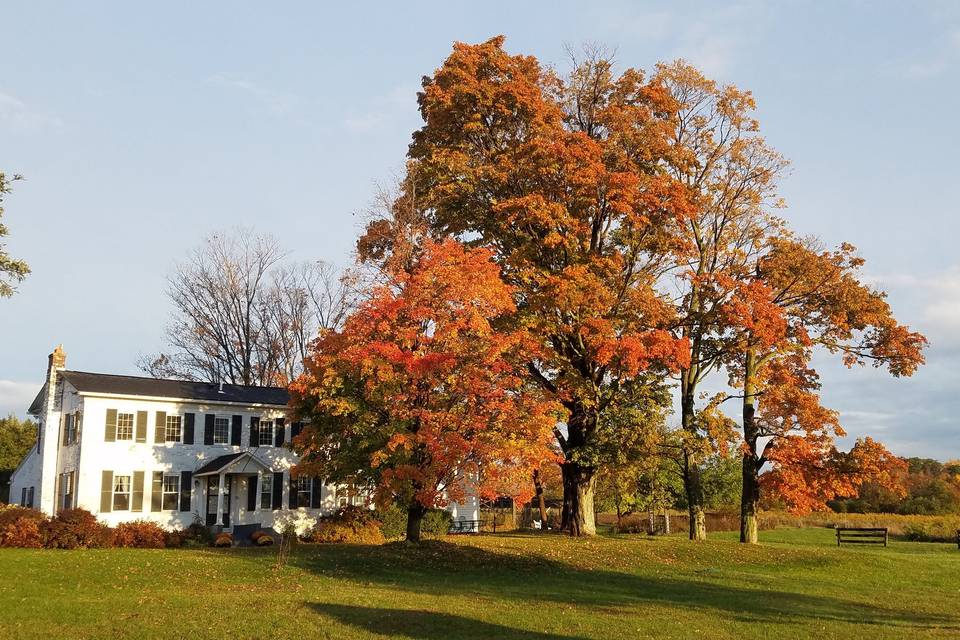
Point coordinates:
[[213, 489]]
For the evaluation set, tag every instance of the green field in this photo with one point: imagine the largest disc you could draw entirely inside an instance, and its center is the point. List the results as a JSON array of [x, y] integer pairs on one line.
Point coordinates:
[[796, 585]]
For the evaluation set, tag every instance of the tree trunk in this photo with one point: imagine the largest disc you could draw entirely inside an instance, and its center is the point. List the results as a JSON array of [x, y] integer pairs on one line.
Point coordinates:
[[415, 513], [578, 485], [538, 486], [750, 494], [691, 468]]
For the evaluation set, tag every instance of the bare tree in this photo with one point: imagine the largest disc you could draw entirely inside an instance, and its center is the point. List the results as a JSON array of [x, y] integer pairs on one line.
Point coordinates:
[[244, 316]]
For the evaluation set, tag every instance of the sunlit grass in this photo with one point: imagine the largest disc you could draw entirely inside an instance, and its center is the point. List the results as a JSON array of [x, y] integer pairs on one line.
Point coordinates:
[[797, 584]]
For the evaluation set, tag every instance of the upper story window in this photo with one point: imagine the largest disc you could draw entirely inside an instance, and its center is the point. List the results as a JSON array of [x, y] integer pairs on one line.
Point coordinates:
[[221, 430], [71, 428], [121, 493], [174, 429], [124, 426], [266, 433]]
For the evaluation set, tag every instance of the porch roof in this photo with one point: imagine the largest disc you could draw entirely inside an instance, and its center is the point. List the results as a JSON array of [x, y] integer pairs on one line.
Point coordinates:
[[243, 462]]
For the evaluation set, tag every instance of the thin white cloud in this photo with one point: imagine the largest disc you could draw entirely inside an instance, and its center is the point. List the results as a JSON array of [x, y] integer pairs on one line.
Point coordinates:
[[710, 39], [384, 110], [276, 102], [15, 397], [17, 116], [935, 59]]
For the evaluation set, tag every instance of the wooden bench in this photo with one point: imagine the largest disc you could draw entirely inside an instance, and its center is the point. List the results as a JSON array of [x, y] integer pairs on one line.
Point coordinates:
[[862, 535]]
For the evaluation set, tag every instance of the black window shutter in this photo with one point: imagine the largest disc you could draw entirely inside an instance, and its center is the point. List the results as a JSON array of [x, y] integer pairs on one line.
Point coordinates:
[[106, 492], [281, 433], [254, 432], [156, 492], [188, 419], [65, 429], [295, 430], [315, 494], [160, 428], [277, 490], [252, 493], [236, 427], [292, 497], [141, 425], [110, 431], [208, 428], [186, 488]]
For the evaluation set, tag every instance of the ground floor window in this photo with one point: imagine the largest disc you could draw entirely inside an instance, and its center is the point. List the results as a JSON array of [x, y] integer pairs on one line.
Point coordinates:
[[171, 492], [66, 491], [304, 491], [266, 492], [121, 493]]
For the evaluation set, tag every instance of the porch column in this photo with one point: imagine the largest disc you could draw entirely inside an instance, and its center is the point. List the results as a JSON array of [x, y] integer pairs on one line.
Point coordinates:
[[220, 500], [256, 500]]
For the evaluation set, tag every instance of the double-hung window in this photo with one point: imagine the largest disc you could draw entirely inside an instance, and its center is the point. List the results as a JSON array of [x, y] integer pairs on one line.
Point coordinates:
[[121, 493], [174, 429], [124, 426], [171, 492], [221, 430], [304, 491], [265, 437], [66, 491], [266, 492]]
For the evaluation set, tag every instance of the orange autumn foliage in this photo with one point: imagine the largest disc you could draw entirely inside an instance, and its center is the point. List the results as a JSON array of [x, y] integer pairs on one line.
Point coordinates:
[[420, 393], [810, 471]]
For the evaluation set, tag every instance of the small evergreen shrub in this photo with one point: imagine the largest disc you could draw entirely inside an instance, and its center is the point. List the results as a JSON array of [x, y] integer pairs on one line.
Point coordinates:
[[140, 534], [436, 523], [197, 534], [393, 522]]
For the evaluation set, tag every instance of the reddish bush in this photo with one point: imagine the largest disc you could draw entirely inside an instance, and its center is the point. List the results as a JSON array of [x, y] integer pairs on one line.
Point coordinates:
[[140, 534], [261, 538], [223, 540], [23, 532], [77, 529], [175, 538], [11, 513], [352, 525]]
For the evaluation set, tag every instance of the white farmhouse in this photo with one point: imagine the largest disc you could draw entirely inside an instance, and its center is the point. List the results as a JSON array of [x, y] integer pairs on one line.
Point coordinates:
[[168, 451]]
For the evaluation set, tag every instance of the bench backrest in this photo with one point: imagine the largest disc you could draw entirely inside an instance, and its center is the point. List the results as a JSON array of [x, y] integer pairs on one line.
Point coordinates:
[[862, 535]]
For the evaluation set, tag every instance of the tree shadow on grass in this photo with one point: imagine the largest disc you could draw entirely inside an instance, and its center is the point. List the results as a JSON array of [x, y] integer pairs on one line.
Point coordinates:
[[441, 568], [425, 625]]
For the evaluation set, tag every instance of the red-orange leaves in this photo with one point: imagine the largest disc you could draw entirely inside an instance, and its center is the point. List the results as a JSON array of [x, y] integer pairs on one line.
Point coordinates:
[[420, 393], [808, 472]]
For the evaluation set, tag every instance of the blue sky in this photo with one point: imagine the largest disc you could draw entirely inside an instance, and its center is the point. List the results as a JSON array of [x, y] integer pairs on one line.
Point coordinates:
[[142, 128]]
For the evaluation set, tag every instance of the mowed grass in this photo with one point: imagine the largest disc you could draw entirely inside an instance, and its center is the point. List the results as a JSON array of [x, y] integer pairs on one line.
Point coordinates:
[[797, 584]]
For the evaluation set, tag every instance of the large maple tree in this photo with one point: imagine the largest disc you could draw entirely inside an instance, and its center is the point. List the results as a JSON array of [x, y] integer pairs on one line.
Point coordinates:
[[562, 179], [420, 394]]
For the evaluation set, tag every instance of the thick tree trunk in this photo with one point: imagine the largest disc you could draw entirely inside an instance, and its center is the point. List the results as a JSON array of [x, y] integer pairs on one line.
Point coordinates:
[[750, 494], [691, 467], [415, 513], [578, 485]]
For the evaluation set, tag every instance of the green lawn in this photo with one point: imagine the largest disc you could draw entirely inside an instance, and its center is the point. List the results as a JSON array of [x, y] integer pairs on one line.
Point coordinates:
[[796, 585]]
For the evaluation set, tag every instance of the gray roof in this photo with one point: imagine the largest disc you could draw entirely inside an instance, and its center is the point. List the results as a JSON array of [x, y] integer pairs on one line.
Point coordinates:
[[155, 387]]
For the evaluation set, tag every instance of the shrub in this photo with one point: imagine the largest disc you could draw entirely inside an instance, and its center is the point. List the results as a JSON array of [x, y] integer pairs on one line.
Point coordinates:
[[265, 540], [198, 533], [223, 539], [436, 523], [140, 534], [393, 522], [350, 524], [21, 527], [77, 529], [23, 532], [175, 538]]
